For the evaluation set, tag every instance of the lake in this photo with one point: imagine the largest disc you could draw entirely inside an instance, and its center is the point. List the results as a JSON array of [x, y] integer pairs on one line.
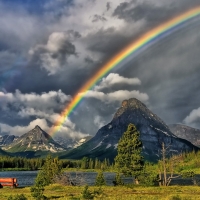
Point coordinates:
[[26, 178]]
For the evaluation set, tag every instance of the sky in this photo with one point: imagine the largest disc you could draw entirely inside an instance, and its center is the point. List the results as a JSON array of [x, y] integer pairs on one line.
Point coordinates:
[[50, 48]]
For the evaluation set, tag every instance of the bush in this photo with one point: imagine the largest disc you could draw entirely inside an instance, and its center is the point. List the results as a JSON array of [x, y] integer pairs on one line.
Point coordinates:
[[177, 197], [148, 179], [17, 197], [100, 180], [37, 192], [87, 194], [118, 180]]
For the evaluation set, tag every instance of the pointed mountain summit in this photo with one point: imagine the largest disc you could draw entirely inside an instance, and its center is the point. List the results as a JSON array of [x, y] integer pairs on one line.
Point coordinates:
[[34, 140], [153, 131]]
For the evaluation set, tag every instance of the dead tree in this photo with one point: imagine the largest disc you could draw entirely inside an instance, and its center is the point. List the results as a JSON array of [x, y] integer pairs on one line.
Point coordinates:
[[166, 167]]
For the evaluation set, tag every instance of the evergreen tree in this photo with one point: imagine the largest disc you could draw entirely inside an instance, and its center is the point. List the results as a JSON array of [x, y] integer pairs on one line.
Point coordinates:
[[100, 180], [50, 169], [129, 160]]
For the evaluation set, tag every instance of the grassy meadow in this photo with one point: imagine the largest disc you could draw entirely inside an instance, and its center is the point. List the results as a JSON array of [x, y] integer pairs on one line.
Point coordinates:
[[60, 192]]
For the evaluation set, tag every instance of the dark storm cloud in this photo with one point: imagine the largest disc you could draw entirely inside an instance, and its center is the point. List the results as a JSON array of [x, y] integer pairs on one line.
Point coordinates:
[[150, 12]]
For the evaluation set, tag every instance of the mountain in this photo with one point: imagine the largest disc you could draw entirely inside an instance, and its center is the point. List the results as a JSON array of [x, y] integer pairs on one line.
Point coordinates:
[[153, 131], [186, 132], [70, 143], [82, 141], [7, 139], [3, 153], [33, 142]]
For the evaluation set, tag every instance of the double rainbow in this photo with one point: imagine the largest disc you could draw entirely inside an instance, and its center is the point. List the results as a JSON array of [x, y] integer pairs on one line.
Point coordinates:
[[132, 48]]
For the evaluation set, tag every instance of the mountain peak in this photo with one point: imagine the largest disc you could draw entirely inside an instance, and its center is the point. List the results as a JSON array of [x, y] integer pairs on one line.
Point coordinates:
[[35, 140], [37, 127], [153, 131], [130, 104]]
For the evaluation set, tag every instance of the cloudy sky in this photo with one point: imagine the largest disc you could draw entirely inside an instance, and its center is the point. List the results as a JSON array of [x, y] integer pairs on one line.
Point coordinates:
[[50, 48]]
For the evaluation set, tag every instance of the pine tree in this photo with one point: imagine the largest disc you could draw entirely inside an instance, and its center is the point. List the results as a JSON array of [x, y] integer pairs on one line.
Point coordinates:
[[129, 160], [100, 180]]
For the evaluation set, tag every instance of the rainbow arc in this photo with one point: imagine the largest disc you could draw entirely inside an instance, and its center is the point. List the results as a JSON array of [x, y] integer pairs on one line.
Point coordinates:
[[150, 37]]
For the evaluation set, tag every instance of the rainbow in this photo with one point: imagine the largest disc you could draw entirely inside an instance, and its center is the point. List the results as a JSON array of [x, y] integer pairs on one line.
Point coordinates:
[[136, 46]]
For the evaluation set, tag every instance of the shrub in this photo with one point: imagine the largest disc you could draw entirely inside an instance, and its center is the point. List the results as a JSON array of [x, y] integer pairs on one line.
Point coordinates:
[[177, 197], [148, 179], [87, 194], [37, 192], [100, 180], [118, 180], [17, 197]]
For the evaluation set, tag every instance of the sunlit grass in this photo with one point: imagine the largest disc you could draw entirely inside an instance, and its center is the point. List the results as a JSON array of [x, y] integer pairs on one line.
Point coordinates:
[[60, 192]]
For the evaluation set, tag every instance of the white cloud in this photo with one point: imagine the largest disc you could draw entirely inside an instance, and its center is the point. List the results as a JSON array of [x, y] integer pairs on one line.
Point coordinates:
[[98, 121], [41, 106], [115, 79], [20, 130], [47, 101], [119, 95], [192, 118]]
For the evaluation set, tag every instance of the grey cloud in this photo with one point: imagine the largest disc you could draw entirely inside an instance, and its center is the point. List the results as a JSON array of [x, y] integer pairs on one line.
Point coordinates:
[[134, 11], [108, 5], [169, 71], [89, 60], [150, 11], [53, 56], [97, 18]]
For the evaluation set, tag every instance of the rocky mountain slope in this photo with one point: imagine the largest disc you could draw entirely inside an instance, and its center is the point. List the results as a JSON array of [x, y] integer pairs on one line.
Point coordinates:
[[186, 132], [7, 139], [70, 143], [153, 132], [34, 140]]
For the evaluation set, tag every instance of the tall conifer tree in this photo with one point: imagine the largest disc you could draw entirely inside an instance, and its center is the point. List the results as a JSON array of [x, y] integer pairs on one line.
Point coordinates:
[[129, 160]]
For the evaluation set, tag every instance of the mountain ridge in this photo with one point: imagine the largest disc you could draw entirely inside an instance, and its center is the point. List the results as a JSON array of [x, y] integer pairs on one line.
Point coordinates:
[[186, 132], [34, 140], [153, 132]]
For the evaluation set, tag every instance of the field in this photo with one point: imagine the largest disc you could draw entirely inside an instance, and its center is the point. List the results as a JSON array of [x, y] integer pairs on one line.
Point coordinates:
[[59, 192]]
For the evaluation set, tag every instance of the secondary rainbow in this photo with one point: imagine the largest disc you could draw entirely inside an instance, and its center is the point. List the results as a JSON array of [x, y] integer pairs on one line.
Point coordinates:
[[145, 40]]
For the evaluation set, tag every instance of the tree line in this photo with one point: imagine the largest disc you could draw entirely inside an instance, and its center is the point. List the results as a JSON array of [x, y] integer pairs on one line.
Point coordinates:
[[37, 163]]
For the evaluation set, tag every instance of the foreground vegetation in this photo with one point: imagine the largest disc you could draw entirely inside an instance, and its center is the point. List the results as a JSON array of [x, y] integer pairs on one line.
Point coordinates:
[[60, 192]]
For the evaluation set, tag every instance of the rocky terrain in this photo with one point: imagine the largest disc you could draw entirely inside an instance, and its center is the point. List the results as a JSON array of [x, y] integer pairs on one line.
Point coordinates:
[[7, 139], [186, 132], [152, 129], [34, 140], [70, 143]]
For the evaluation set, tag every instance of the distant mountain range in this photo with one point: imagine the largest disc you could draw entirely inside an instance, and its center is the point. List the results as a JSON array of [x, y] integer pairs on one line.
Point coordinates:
[[7, 139], [71, 143], [153, 132], [34, 141], [186, 132]]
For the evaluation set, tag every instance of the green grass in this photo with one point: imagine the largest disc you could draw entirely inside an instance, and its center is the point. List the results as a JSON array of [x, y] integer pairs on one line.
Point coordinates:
[[59, 192]]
